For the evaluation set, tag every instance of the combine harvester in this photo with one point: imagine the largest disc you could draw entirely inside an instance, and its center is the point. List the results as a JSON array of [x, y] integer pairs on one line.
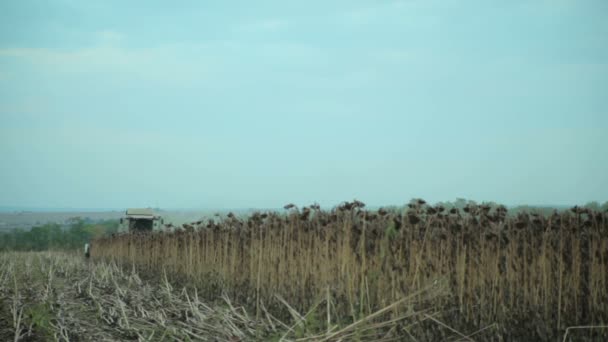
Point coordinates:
[[140, 220], [136, 220]]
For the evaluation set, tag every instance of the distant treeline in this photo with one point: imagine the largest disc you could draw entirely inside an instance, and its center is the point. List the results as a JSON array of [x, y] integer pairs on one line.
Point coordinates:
[[81, 230], [53, 236], [461, 203]]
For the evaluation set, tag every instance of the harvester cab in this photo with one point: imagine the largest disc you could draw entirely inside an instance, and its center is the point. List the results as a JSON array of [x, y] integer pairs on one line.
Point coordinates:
[[140, 220]]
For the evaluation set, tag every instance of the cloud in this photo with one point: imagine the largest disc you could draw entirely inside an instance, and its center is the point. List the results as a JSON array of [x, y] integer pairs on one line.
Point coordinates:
[[397, 55], [270, 25], [265, 26], [211, 61], [21, 107], [168, 63], [109, 37], [221, 65], [401, 15]]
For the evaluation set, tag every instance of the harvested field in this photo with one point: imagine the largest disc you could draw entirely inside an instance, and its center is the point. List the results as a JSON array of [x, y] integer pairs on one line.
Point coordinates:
[[54, 296], [57, 296], [512, 278]]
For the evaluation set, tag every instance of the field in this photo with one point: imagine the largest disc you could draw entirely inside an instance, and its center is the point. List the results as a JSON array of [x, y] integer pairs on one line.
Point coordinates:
[[513, 277], [422, 274], [46, 296], [57, 296]]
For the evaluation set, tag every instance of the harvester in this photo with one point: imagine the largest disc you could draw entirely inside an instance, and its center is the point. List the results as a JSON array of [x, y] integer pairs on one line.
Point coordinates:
[[140, 220], [136, 220]]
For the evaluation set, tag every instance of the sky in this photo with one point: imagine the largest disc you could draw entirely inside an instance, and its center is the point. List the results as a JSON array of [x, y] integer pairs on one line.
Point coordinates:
[[241, 104]]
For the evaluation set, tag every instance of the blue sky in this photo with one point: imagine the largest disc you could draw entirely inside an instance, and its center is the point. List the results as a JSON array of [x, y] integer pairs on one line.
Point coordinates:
[[257, 104]]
